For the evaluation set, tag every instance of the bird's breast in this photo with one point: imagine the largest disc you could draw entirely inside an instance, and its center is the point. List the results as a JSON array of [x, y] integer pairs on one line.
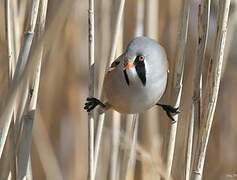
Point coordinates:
[[134, 97]]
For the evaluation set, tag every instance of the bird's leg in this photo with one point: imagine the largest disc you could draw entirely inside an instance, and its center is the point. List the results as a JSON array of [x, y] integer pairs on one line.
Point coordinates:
[[169, 110], [91, 103]]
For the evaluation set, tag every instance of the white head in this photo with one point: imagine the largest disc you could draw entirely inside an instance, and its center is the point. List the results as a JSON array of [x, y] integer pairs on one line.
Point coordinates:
[[145, 56]]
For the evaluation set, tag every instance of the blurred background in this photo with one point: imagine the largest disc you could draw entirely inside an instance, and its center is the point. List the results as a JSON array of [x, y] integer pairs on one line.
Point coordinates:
[[60, 131]]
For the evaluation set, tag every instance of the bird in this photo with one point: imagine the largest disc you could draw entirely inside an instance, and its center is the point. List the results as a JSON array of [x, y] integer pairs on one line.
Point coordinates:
[[136, 80]]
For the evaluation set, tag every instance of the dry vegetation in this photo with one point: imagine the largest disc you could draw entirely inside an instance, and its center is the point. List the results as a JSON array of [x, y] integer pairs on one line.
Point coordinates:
[[48, 61]]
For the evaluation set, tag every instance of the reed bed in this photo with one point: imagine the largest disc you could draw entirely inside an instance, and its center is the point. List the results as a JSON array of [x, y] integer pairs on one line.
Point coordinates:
[[54, 55]]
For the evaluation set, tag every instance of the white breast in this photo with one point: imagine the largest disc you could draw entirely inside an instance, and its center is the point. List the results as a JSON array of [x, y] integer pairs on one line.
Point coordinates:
[[135, 97]]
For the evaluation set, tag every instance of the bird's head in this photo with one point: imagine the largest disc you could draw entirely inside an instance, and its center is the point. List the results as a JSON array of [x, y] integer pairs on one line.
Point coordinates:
[[142, 54]]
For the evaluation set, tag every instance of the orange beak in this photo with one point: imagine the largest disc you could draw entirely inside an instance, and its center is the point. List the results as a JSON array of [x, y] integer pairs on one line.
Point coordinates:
[[128, 65]]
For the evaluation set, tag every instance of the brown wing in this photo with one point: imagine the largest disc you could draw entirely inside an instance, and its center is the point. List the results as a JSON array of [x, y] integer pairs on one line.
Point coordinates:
[[115, 63]]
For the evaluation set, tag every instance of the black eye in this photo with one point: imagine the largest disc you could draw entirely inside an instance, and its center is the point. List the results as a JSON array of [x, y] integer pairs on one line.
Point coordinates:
[[141, 58]]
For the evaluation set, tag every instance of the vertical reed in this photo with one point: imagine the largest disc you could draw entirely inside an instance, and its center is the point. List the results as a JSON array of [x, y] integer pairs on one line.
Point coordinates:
[[114, 43], [203, 26], [178, 78], [29, 112], [212, 89], [91, 38]]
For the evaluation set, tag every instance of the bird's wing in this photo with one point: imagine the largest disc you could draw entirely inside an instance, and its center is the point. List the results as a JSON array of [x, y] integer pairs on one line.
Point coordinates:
[[115, 63]]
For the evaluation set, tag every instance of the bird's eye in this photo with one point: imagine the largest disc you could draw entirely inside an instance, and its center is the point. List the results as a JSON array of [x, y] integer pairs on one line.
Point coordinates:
[[141, 58]]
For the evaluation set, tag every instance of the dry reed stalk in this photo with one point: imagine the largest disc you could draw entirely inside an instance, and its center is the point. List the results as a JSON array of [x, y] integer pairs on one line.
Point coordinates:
[[115, 146], [27, 122], [140, 13], [116, 33], [30, 68], [24, 146], [22, 59], [196, 109], [20, 167], [34, 64], [10, 37], [17, 25], [150, 136], [19, 22], [178, 78], [190, 141], [23, 92], [9, 164], [91, 60], [152, 19], [116, 121], [105, 40], [111, 58], [27, 39], [141, 154], [45, 149], [129, 151], [8, 168], [26, 74], [29, 175], [132, 154], [212, 88], [128, 162], [130, 170], [98, 137]]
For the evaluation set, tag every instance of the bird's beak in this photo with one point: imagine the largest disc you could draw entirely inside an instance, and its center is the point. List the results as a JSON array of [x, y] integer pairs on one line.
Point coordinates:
[[128, 64]]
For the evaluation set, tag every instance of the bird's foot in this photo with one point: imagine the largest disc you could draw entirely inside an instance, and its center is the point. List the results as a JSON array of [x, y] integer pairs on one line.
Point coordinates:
[[91, 103], [170, 111]]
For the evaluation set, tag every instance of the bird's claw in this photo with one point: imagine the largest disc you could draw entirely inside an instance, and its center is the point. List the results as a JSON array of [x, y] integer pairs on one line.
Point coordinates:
[[170, 111], [91, 103]]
